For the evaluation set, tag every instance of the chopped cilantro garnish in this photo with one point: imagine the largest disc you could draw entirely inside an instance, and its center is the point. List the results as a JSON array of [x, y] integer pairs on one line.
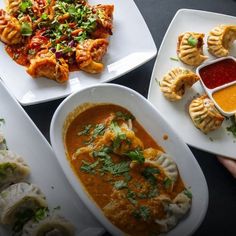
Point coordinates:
[[124, 116], [24, 5], [41, 214], [136, 155], [119, 135], [131, 196], [232, 127], [98, 130], [142, 213], [192, 41], [26, 29], [167, 183], [120, 184], [44, 16], [174, 59], [89, 167], [149, 173], [188, 193], [116, 169], [6, 168], [85, 131]]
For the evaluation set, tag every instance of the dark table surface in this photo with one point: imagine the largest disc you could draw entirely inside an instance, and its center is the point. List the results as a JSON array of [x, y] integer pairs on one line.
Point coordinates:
[[221, 215]]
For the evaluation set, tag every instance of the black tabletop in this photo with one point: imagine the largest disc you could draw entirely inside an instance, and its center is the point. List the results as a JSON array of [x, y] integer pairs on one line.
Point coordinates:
[[221, 215]]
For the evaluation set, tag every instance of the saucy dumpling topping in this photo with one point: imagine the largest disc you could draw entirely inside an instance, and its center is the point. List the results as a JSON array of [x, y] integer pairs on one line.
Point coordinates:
[[19, 198], [174, 83], [122, 168], [204, 114], [190, 48], [13, 168], [221, 39]]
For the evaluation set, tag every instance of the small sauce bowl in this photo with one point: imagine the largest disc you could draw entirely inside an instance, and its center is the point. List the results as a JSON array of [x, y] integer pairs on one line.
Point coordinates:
[[218, 78]]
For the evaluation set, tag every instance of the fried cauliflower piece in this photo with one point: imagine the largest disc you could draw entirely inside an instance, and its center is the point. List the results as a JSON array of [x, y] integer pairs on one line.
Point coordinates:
[[46, 65]]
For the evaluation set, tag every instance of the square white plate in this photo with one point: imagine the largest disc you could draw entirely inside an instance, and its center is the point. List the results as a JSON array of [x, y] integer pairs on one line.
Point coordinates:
[[131, 45], [24, 138], [176, 113]]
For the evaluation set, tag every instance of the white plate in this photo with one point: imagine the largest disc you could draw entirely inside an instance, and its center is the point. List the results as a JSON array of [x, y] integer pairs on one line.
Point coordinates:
[[176, 114], [24, 138], [131, 45], [154, 123]]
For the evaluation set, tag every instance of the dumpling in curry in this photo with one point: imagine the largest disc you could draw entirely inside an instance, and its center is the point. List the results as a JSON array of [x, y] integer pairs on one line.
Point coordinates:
[[190, 48], [204, 114], [220, 40], [175, 82], [46, 65], [89, 55], [10, 29]]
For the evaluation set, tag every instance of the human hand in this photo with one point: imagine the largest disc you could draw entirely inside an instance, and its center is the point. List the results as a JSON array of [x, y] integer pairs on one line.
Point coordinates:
[[229, 164]]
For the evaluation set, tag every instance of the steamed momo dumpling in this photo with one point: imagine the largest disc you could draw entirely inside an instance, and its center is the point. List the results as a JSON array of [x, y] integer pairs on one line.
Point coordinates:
[[175, 209], [17, 198], [220, 40], [10, 29], [50, 226], [189, 48], [174, 84], [204, 114], [13, 168], [163, 161]]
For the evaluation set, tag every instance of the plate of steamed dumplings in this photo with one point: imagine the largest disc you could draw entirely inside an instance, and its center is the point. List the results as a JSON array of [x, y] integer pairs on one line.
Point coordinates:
[[192, 39], [35, 198]]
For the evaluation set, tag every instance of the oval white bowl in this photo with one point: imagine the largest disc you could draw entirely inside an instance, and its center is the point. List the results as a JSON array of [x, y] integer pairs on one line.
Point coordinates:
[[153, 122]]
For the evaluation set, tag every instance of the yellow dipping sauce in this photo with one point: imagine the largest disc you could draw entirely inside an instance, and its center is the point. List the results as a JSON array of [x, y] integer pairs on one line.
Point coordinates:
[[226, 98]]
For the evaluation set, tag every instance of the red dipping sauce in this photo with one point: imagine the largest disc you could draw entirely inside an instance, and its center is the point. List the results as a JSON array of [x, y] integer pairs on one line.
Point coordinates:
[[218, 73]]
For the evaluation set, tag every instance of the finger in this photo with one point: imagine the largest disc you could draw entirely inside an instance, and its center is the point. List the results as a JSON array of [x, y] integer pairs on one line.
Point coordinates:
[[229, 164]]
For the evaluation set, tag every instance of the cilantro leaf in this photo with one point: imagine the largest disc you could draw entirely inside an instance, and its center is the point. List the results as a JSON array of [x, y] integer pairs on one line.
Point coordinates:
[[85, 131], [136, 155], [142, 213], [192, 41], [120, 184]]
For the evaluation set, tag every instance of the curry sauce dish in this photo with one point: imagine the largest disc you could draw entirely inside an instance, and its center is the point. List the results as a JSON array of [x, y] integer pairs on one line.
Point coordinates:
[[127, 174], [126, 164]]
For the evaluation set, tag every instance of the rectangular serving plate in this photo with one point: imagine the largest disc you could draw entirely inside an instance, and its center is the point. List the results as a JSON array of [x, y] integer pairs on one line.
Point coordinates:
[[176, 114], [25, 139], [126, 51]]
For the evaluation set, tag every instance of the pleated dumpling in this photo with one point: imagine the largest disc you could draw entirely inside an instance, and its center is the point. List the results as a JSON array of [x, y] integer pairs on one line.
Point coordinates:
[[175, 83], [19, 198], [10, 29], [13, 6], [13, 168], [175, 210], [89, 55], [47, 65], [220, 40], [51, 225], [204, 114], [161, 161], [190, 48]]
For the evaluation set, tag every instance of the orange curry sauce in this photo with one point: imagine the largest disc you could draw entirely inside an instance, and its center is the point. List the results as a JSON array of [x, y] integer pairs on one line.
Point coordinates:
[[127, 199]]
